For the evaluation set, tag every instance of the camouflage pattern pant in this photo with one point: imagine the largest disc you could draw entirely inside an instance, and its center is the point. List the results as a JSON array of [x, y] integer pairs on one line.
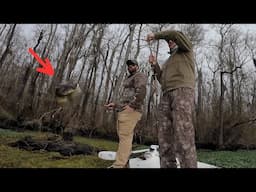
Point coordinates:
[[176, 133]]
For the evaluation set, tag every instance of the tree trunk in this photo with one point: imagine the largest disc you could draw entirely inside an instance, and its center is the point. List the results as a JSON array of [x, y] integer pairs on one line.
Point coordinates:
[[8, 44], [221, 111]]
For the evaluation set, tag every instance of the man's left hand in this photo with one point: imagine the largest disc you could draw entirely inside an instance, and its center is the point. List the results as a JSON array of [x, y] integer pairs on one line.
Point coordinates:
[[150, 37]]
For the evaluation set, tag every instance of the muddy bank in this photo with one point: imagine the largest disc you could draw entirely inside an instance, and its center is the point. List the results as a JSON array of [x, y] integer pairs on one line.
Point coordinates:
[[56, 144]]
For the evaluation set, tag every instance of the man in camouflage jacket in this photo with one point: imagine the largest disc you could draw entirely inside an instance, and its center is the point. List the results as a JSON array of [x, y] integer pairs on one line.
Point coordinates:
[[129, 109], [176, 134]]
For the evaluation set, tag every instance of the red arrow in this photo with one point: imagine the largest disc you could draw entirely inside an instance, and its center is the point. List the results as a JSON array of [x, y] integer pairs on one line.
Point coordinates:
[[47, 66]]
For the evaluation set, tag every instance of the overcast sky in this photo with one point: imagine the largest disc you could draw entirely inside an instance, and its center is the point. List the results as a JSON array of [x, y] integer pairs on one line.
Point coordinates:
[[28, 28], [210, 35]]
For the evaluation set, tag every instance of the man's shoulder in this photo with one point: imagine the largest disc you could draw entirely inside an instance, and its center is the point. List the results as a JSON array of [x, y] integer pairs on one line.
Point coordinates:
[[140, 77], [140, 74]]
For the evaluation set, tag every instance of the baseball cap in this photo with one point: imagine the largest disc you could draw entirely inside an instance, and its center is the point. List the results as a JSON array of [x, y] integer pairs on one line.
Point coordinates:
[[132, 62]]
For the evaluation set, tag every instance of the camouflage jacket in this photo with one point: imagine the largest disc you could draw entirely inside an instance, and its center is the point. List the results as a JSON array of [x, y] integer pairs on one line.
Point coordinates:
[[134, 92]]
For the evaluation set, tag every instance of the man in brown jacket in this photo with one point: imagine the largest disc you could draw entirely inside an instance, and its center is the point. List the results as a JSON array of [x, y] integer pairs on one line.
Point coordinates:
[[177, 77], [129, 109]]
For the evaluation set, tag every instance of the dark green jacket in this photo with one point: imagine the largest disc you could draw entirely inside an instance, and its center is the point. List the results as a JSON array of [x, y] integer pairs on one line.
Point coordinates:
[[179, 69]]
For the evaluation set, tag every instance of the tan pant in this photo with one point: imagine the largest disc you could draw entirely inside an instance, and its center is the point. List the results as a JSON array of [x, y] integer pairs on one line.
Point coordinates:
[[126, 123]]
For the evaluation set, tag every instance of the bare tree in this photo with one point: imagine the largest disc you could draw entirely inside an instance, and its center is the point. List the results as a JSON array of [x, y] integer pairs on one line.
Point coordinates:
[[123, 67], [9, 37]]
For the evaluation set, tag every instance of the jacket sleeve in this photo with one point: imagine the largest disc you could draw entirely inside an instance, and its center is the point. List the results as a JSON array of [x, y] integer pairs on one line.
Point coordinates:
[[140, 81], [178, 37]]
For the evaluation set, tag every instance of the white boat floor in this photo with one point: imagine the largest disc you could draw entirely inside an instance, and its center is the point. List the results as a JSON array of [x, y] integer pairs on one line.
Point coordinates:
[[205, 165]]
